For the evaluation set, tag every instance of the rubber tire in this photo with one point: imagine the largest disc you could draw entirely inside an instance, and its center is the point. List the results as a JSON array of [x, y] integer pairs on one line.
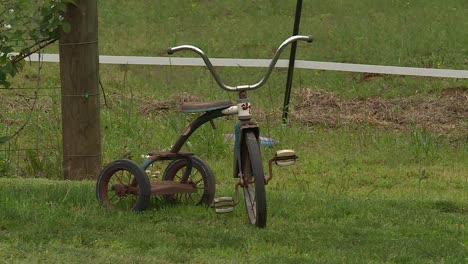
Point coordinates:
[[252, 166], [203, 168], [142, 181]]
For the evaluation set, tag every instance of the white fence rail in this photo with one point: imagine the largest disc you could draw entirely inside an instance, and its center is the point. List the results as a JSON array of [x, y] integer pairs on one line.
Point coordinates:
[[300, 64]]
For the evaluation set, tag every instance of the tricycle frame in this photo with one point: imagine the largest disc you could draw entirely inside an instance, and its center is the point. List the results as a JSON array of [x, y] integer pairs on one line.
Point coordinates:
[[247, 168]]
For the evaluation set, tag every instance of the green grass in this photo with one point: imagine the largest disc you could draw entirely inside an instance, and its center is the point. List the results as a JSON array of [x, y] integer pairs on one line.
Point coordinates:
[[401, 33], [66, 225], [395, 32], [358, 194]]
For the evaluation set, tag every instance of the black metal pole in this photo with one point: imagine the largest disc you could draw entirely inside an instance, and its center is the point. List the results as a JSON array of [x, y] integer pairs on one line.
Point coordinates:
[[292, 59]]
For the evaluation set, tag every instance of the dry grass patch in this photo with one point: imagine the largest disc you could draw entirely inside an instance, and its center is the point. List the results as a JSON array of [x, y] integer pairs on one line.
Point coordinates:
[[444, 114]]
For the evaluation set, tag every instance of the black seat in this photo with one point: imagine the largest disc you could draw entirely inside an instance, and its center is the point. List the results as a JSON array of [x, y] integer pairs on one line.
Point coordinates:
[[196, 107]]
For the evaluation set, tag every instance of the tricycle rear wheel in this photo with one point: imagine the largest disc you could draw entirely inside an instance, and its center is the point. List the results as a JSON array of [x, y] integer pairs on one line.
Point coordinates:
[[201, 176], [124, 185]]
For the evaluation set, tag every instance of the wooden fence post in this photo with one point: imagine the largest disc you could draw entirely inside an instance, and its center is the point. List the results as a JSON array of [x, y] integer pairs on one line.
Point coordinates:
[[79, 75]]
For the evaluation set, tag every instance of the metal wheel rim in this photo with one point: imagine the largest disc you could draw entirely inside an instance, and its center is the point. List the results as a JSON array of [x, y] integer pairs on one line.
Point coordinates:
[[111, 197], [196, 178], [250, 201]]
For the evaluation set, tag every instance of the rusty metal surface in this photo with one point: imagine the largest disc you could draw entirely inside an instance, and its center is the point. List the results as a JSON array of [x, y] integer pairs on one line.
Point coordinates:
[[169, 155], [270, 165], [122, 190], [172, 187]]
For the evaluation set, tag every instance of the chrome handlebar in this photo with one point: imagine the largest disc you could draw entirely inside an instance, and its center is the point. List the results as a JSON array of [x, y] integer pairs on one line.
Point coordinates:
[[218, 80]]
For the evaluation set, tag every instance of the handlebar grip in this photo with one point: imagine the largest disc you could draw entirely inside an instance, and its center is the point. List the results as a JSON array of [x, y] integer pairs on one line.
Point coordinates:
[[218, 80], [170, 51]]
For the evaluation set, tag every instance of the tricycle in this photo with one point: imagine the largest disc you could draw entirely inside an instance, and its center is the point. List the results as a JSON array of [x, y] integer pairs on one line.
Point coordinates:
[[124, 183]]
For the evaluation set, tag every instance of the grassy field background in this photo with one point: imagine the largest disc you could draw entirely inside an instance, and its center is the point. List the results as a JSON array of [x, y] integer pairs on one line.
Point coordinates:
[[360, 193]]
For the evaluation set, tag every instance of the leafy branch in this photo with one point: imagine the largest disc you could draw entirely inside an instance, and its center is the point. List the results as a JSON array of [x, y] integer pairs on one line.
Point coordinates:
[[33, 24], [33, 49]]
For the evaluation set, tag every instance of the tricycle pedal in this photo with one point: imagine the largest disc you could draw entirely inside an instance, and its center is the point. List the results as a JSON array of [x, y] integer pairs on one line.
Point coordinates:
[[282, 158], [285, 157], [224, 205], [222, 202], [225, 210]]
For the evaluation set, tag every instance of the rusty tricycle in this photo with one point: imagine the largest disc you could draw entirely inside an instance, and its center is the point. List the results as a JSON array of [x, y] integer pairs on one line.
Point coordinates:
[[124, 183]]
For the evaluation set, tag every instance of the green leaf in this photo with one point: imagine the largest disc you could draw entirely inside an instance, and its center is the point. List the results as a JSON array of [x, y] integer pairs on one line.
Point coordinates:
[[72, 2], [4, 139], [2, 76], [7, 50], [66, 27], [8, 69]]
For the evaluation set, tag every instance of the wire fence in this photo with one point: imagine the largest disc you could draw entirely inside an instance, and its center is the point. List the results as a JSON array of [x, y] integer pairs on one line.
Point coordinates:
[[30, 114], [31, 109], [31, 117]]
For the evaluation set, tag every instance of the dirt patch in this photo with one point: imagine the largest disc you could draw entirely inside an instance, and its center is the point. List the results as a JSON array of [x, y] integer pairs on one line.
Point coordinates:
[[444, 114], [369, 76], [153, 106], [17, 103]]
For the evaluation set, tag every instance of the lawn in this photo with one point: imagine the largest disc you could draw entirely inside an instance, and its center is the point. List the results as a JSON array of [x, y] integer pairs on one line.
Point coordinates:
[[383, 170], [307, 224]]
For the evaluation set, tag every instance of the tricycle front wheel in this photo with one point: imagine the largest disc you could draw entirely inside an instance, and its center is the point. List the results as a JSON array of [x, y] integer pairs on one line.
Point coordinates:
[[254, 177]]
